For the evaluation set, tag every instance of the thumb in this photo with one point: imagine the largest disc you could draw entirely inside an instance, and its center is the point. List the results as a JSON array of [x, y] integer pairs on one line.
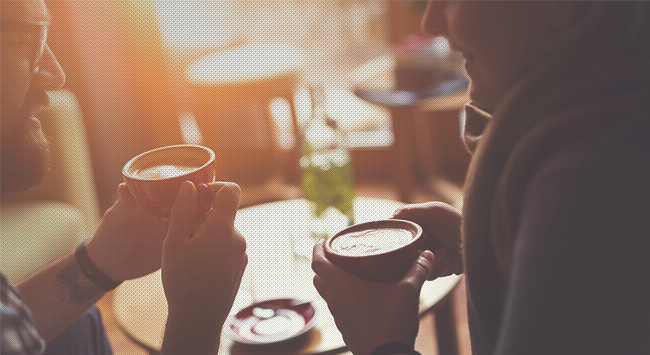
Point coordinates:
[[125, 194], [226, 203], [181, 222], [123, 209], [420, 269], [224, 209]]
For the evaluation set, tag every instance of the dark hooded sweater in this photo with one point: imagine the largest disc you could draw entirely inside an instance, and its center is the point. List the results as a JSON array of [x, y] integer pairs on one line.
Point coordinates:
[[556, 216]]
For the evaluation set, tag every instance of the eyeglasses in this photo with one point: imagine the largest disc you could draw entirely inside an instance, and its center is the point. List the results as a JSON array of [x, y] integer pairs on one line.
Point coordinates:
[[22, 36]]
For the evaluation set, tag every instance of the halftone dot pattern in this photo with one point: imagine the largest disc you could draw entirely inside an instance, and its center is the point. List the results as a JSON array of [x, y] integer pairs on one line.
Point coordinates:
[[273, 271], [127, 69]]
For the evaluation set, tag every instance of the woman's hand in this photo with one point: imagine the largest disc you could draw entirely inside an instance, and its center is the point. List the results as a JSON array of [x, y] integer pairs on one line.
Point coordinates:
[[202, 267], [441, 224], [370, 314]]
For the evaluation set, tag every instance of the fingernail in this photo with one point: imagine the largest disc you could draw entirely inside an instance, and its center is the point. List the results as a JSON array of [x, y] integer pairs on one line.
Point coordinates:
[[226, 200], [229, 191], [427, 254], [186, 189]]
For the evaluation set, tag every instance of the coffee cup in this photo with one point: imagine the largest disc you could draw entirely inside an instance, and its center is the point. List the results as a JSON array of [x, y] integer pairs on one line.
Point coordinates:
[[155, 177], [378, 251]]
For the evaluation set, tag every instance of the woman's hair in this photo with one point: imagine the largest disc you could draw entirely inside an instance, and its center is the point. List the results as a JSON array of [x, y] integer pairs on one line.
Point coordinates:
[[636, 24], [605, 35], [614, 32]]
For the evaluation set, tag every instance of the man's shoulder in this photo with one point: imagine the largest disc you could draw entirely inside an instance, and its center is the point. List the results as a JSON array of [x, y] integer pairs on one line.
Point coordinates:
[[19, 336], [7, 289]]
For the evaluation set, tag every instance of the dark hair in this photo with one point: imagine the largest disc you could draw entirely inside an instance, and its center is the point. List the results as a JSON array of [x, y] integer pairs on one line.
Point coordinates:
[[635, 22], [619, 33]]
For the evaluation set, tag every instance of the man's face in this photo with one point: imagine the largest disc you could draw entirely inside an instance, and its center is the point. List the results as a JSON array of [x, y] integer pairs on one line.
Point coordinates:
[[28, 69]]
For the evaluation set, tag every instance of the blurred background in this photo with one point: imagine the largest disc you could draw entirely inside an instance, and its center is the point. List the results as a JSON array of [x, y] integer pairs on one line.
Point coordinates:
[[129, 65], [256, 81]]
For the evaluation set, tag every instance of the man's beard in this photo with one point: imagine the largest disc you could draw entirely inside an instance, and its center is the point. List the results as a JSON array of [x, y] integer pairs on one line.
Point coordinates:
[[25, 157]]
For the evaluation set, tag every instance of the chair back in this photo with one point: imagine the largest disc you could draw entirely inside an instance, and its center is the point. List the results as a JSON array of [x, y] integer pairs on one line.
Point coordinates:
[[70, 179], [231, 95], [49, 220]]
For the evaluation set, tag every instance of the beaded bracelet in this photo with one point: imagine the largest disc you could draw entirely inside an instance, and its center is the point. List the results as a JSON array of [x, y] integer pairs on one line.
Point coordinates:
[[91, 271]]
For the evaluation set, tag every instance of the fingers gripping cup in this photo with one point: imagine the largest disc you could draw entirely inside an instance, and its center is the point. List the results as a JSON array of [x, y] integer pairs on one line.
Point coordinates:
[[378, 251], [154, 177]]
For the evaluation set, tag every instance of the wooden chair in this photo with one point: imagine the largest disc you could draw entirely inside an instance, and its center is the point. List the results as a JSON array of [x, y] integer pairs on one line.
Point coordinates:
[[426, 143], [231, 94], [117, 65]]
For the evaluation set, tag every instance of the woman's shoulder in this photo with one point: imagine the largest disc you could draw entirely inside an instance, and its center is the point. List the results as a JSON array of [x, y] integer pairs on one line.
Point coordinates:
[[614, 154], [601, 181]]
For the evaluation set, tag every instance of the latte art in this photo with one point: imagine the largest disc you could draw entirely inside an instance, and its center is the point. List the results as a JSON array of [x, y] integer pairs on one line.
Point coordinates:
[[371, 241], [163, 171]]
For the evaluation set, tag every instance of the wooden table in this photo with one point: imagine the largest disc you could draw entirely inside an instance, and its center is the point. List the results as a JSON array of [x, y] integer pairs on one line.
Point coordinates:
[[273, 271]]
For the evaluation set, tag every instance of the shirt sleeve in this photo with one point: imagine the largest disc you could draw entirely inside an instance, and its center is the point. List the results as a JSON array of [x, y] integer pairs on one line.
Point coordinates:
[[18, 336], [578, 281], [395, 349]]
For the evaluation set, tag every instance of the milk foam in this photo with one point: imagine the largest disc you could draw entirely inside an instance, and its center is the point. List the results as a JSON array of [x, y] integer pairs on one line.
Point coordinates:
[[163, 171], [371, 241]]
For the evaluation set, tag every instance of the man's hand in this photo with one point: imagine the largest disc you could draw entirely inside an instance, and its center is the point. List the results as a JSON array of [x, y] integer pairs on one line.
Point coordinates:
[[440, 222], [370, 314], [202, 267], [128, 241]]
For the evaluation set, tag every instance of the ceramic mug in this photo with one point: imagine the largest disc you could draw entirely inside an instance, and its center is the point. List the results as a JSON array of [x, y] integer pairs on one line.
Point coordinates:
[[378, 251], [154, 177]]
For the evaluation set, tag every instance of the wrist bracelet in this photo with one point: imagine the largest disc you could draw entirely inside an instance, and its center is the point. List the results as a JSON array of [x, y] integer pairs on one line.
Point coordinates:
[[91, 271]]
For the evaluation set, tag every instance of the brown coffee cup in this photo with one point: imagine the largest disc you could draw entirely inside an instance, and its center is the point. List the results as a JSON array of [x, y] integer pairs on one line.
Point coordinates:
[[378, 251], [154, 177]]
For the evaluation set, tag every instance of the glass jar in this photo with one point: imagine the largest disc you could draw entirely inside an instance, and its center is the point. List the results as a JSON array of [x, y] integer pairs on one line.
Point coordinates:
[[326, 172]]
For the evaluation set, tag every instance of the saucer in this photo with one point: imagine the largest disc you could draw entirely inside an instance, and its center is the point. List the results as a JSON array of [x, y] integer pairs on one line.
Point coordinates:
[[271, 321]]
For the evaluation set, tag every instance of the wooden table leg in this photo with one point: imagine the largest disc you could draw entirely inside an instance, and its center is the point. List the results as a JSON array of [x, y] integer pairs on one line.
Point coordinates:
[[429, 148], [446, 330], [403, 121], [444, 311]]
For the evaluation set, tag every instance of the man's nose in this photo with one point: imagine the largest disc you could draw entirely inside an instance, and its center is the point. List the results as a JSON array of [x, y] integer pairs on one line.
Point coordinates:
[[50, 75], [433, 21]]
